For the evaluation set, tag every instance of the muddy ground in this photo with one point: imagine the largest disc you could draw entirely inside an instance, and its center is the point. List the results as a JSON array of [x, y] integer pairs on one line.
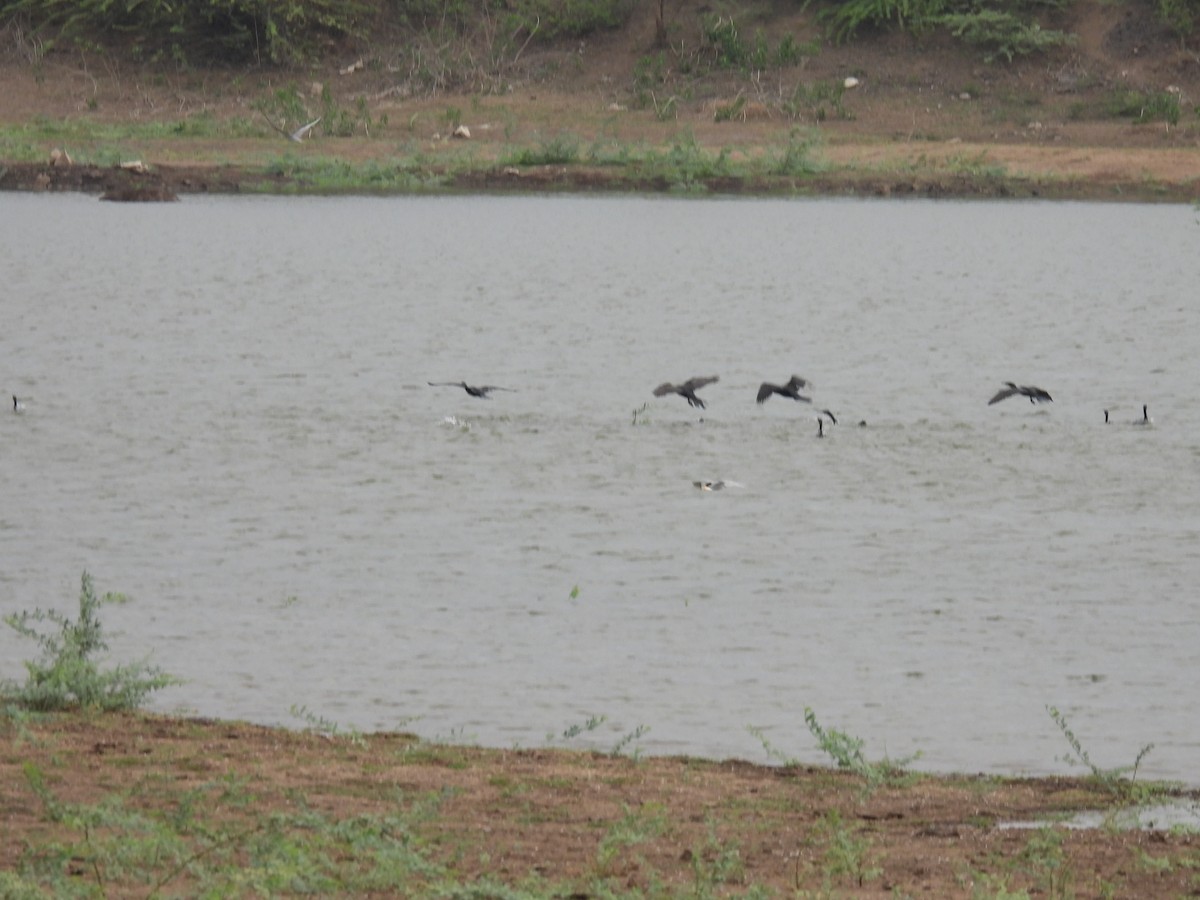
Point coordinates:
[[550, 822]]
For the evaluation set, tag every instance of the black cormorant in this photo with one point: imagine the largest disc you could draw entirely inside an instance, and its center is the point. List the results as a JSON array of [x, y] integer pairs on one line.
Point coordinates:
[[1035, 394], [791, 389], [481, 392], [687, 390]]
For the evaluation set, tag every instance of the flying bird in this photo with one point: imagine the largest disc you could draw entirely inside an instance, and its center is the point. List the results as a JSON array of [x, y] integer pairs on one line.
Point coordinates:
[[299, 134], [791, 389], [832, 417], [709, 485], [1144, 420], [481, 391], [1035, 394], [302, 132], [18, 405], [686, 390]]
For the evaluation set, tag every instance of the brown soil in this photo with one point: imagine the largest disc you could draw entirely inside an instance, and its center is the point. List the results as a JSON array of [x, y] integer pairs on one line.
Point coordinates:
[[580, 820], [928, 116]]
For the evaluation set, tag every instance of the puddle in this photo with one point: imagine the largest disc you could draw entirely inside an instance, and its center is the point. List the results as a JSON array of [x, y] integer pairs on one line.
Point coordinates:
[[1156, 817]]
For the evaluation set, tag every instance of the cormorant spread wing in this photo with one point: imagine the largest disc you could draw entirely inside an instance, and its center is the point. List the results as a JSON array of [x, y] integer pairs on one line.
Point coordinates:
[[480, 391], [791, 389], [687, 390], [1035, 394]]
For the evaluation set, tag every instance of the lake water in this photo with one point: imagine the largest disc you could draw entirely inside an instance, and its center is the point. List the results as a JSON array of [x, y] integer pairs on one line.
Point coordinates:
[[228, 419]]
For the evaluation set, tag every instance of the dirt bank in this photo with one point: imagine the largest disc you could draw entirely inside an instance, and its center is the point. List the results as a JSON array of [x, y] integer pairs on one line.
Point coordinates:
[[126, 802], [926, 116]]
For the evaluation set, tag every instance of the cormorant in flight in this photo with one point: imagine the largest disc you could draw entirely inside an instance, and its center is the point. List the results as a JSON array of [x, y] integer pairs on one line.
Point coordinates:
[[791, 389], [1035, 394], [481, 392], [687, 390]]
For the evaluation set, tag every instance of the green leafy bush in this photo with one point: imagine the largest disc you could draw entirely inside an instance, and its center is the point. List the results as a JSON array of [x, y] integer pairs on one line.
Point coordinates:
[[67, 675], [1003, 28], [547, 19], [1002, 33], [1180, 16]]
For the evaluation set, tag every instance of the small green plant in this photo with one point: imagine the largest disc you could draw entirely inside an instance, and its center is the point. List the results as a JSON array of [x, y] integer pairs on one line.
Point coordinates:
[[1044, 859], [820, 100], [574, 731], [635, 827], [560, 150], [796, 157], [723, 41], [845, 852], [771, 750], [321, 725], [640, 416], [727, 112], [715, 863], [847, 752], [627, 739], [1113, 780], [67, 675]]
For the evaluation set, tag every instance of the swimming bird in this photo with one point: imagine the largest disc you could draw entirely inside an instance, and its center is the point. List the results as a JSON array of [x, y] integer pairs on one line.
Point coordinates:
[[481, 391], [1035, 394], [18, 405], [791, 389], [687, 390]]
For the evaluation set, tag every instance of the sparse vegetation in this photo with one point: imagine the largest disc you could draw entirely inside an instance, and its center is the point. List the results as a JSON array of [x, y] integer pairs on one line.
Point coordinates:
[[847, 752], [128, 804], [1120, 781], [1003, 28]]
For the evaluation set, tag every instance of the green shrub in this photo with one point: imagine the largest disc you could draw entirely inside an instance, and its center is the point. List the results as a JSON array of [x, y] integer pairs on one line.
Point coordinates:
[[1179, 16], [67, 675], [560, 150], [846, 19], [548, 19], [1003, 29], [1002, 33], [274, 31], [1142, 106]]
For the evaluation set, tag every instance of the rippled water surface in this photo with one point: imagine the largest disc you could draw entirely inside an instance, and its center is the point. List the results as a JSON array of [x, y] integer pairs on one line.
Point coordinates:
[[228, 419]]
